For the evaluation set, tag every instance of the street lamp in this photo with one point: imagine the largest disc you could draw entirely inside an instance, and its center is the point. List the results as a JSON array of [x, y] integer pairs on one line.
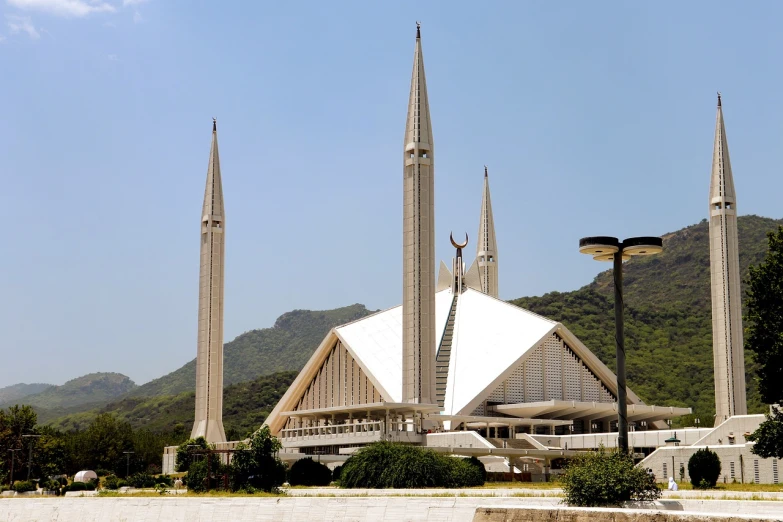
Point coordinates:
[[30, 456], [604, 248], [127, 462], [12, 464]]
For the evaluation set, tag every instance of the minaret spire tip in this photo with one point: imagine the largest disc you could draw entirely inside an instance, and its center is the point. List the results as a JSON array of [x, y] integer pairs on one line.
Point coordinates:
[[719, 99], [418, 30], [485, 171], [214, 124]]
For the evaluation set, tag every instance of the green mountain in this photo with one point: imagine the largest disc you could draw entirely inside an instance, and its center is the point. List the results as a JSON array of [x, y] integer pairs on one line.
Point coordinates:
[[286, 346], [15, 392], [245, 406], [91, 389], [668, 326]]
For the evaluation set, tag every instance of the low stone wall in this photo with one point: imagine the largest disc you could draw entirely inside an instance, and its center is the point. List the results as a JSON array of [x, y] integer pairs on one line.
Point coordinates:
[[563, 514]]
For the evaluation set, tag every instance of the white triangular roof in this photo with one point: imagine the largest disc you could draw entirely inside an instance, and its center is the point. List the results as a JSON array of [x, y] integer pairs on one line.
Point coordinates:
[[491, 338]]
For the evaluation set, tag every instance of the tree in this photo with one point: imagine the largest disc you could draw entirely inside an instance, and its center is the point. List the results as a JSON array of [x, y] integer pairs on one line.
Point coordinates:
[[256, 465], [764, 319], [768, 437], [18, 421], [764, 338], [186, 452], [704, 468], [102, 444]]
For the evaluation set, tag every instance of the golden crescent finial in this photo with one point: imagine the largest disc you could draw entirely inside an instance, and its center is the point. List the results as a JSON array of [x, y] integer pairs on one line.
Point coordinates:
[[455, 244]]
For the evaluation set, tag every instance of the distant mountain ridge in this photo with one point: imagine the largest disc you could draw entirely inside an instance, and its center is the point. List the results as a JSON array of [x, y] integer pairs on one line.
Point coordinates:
[[93, 388], [15, 392], [285, 347]]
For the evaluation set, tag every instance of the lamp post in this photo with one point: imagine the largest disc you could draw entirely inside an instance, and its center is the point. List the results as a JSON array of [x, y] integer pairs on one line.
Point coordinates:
[[127, 462], [604, 248], [13, 453], [30, 456]]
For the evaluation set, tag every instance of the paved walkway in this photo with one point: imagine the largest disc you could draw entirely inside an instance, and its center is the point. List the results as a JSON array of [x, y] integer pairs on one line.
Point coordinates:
[[328, 509]]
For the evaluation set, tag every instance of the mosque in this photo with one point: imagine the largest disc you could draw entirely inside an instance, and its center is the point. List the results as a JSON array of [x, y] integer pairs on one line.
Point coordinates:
[[460, 371]]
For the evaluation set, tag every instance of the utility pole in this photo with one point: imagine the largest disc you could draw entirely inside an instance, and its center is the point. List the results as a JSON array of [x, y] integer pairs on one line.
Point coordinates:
[[30, 456], [13, 453], [127, 462]]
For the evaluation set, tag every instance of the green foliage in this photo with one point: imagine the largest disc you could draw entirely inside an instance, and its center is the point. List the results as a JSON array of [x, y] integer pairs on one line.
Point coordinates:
[[768, 437], [142, 480], [704, 468], [307, 472], [481, 477], [87, 390], [245, 407], [606, 478], [113, 482], [196, 478], [394, 465], [668, 318], [189, 451], [764, 319], [256, 465], [336, 472], [14, 393], [22, 486], [103, 442]]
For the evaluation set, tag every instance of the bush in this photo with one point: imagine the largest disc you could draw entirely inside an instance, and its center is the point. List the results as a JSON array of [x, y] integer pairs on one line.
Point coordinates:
[[22, 486], [141, 480], [704, 468], [114, 482], [601, 478], [77, 486], [336, 472], [478, 475], [307, 472], [256, 466], [164, 479], [395, 465], [103, 472], [196, 477]]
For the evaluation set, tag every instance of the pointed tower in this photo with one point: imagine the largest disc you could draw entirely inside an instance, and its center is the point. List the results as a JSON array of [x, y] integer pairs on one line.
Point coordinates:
[[418, 235], [725, 277], [487, 248], [209, 359]]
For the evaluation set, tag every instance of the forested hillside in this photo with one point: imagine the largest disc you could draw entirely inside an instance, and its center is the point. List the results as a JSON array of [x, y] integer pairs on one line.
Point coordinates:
[[668, 317], [21, 390], [286, 346], [245, 406], [93, 388]]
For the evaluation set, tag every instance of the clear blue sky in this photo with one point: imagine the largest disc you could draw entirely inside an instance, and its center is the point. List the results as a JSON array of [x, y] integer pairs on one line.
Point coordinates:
[[593, 117]]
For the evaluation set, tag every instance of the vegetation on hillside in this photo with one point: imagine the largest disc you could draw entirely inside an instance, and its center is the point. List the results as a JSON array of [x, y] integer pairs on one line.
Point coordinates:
[[87, 390], [286, 346], [668, 318], [245, 407], [15, 392]]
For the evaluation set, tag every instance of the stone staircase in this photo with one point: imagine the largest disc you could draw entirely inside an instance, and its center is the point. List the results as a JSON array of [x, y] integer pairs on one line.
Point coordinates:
[[443, 357]]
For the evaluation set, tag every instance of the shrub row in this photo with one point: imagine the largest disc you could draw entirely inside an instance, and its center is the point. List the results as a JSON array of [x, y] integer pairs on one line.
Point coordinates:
[[395, 465]]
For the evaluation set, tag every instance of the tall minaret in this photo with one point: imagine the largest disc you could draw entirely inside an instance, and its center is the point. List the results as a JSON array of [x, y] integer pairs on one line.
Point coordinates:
[[725, 275], [418, 238], [487, 248], [209, 361]]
